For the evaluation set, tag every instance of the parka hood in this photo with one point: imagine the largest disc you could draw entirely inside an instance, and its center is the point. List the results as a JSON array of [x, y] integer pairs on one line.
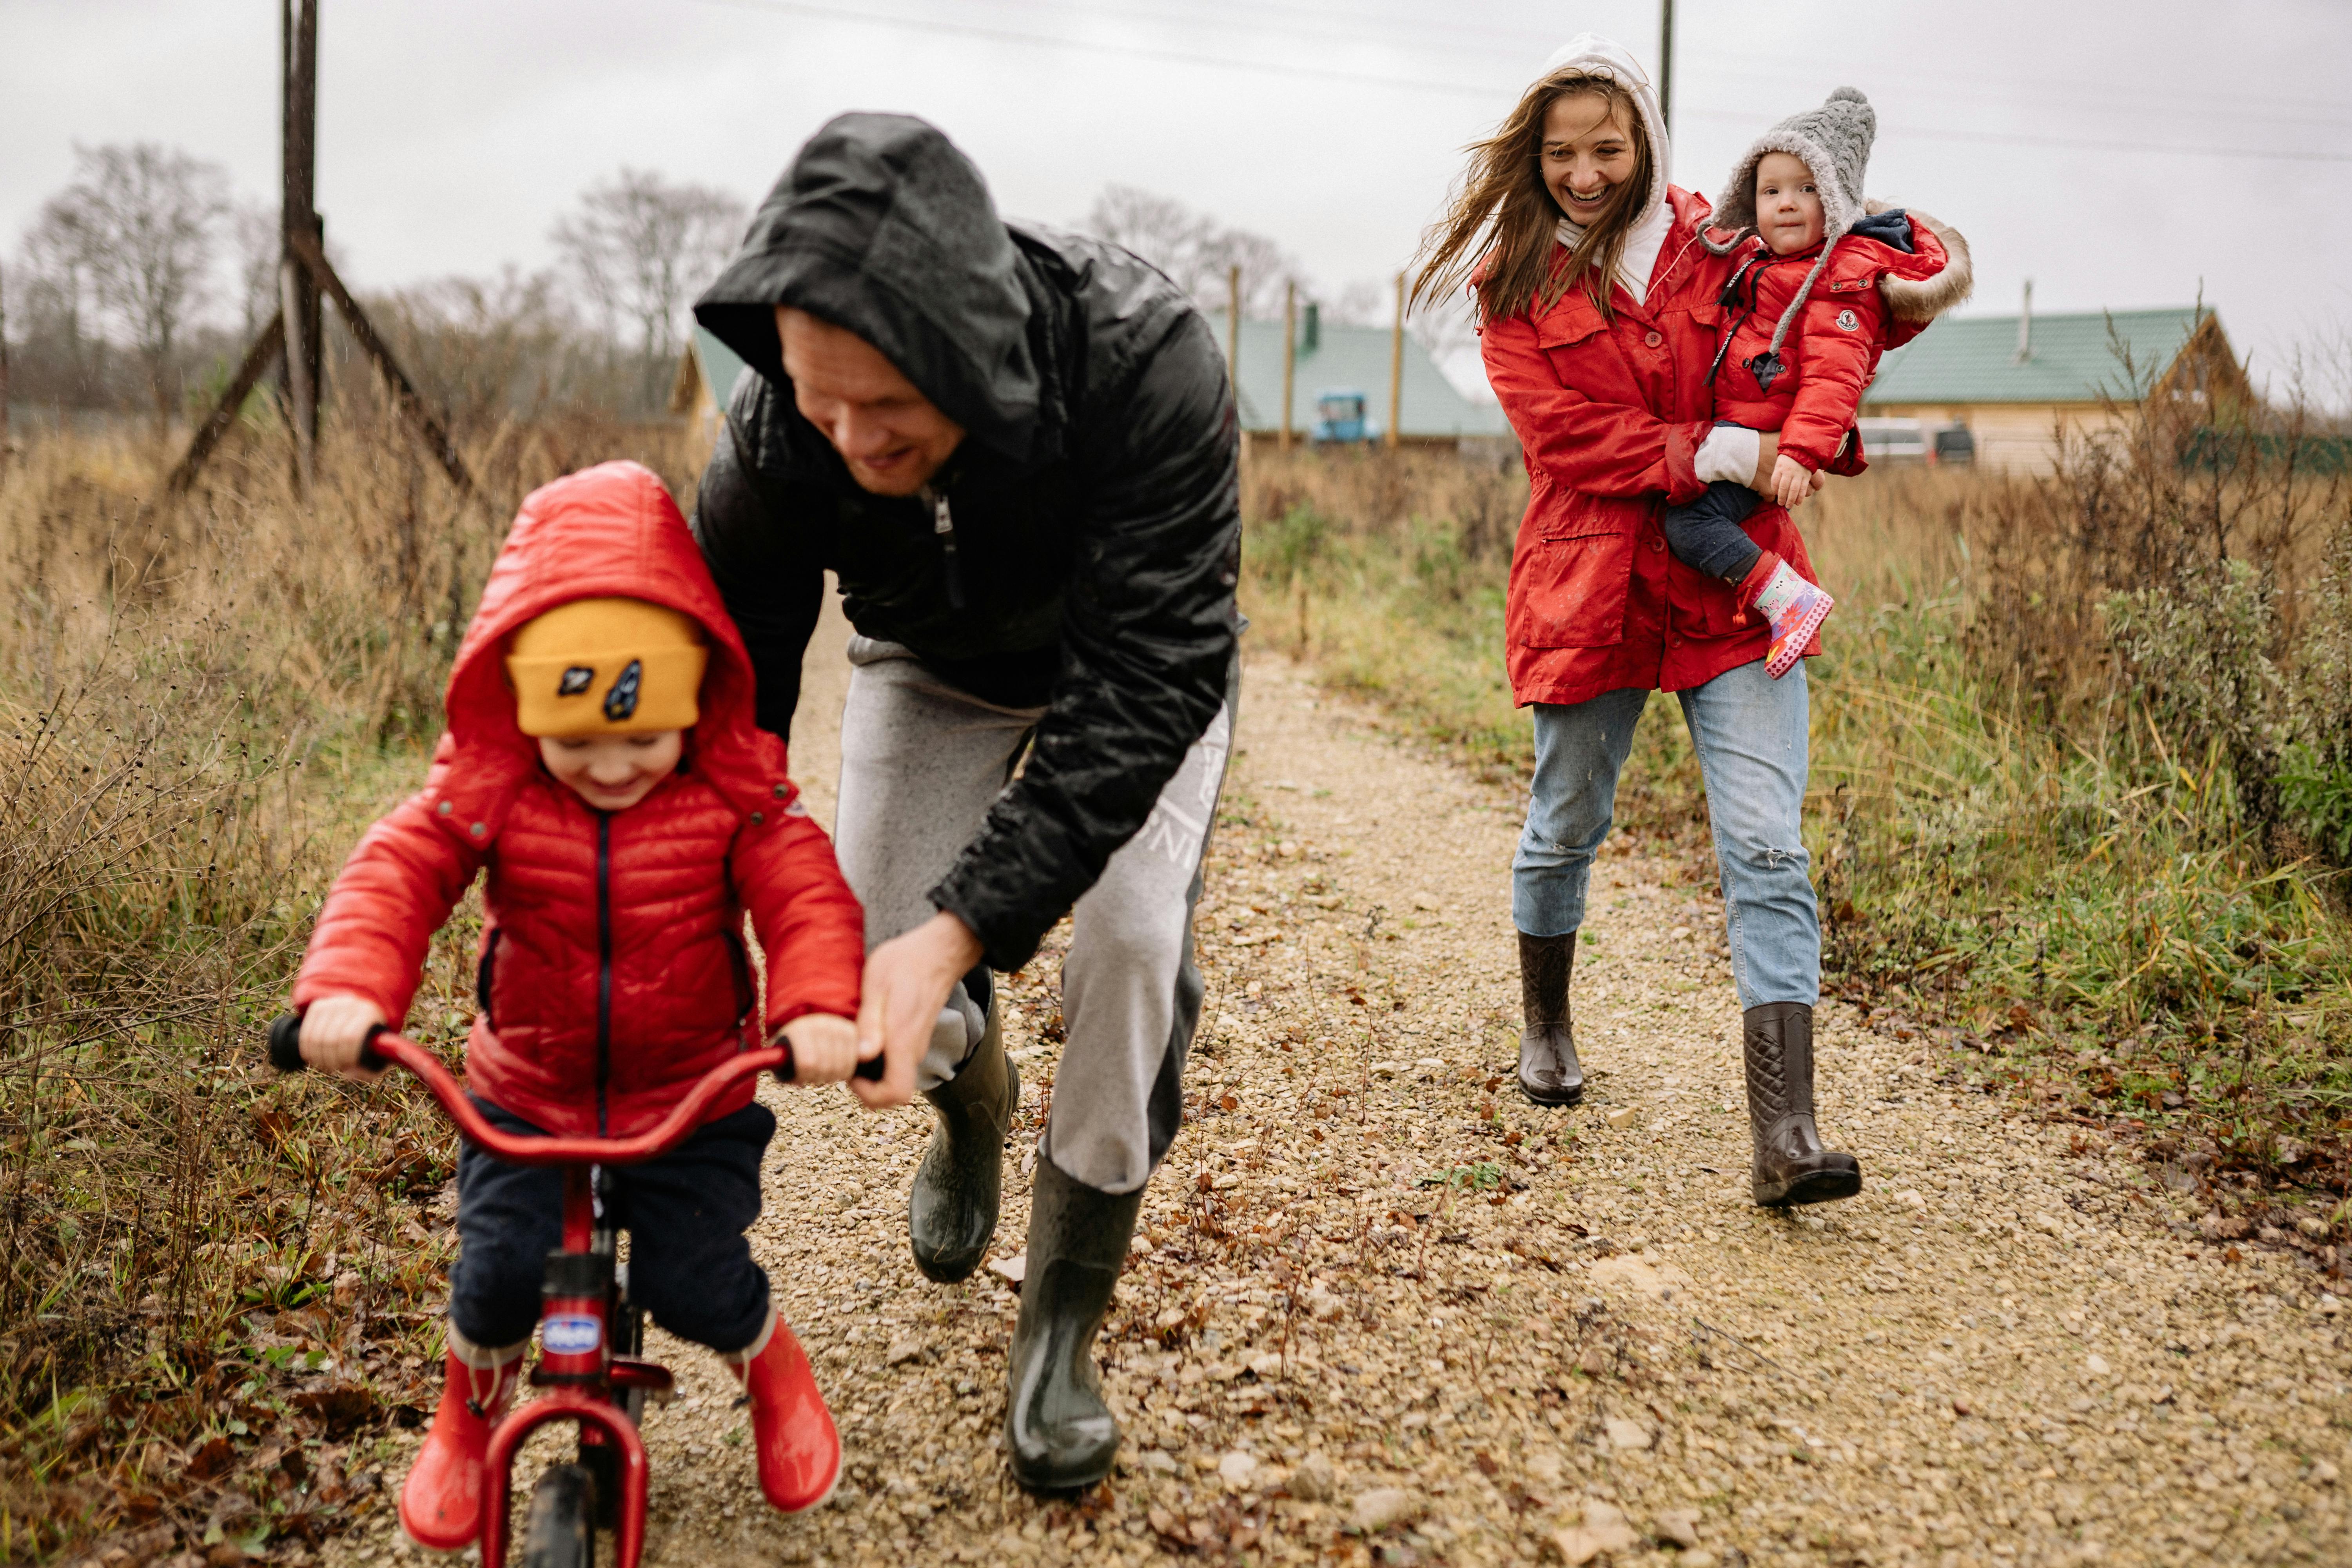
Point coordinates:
[[1595, 56], [610, 531], [884, 227]]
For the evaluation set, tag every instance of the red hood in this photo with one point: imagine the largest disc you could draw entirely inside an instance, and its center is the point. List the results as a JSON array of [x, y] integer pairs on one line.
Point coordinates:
[[609, 530]]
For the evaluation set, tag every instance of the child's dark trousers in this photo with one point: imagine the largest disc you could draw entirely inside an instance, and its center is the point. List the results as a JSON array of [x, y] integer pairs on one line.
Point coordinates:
[[1705, 533], [689, 1262]]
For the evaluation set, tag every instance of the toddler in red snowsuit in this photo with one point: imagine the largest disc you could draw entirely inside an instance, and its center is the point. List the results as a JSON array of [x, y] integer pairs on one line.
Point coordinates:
[[602, 765], [1806, 324]]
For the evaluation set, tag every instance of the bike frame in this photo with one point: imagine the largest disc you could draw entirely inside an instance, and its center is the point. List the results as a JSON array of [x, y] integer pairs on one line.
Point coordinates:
[[583, 1382]]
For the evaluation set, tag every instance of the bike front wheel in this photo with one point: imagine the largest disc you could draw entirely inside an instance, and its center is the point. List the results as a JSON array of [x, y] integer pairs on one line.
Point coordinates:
[[559, 1530]]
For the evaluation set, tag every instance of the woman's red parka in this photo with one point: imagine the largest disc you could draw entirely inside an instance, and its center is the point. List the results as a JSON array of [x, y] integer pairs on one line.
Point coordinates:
[[1609, 412], [613, 972]]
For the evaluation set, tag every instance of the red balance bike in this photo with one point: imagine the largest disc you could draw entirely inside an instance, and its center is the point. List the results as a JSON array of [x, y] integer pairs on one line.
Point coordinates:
[[590, 1335]]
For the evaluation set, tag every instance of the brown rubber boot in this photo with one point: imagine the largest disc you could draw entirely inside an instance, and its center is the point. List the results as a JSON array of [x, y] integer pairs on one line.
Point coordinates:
[[1549, 1073], [1791, 1167]]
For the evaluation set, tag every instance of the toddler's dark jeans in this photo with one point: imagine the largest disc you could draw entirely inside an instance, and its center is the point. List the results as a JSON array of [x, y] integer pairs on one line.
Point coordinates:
[[689, 1262], [1705, 533]]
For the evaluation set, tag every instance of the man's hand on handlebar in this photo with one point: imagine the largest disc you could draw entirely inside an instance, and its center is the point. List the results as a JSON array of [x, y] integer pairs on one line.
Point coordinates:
[[906, 983], [335, 1030], [824, 1047]]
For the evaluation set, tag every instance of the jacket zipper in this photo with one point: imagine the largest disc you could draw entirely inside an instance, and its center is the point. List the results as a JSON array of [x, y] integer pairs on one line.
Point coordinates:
[[603, 968], [943, 527]]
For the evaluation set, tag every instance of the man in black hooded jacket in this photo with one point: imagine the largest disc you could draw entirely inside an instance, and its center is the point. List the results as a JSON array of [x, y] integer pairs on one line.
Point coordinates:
[[1015, 447]]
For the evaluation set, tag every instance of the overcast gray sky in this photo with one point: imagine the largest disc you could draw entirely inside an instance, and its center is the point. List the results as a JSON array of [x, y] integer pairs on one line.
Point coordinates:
[[2117, 154]]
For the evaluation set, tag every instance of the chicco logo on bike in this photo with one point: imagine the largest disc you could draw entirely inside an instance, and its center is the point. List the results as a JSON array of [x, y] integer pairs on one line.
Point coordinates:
[[571, 1336]]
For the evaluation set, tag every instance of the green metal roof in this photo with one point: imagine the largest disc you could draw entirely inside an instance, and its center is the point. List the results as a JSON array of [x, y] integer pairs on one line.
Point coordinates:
[[2075, 358], [1351, 358], [721, 365]]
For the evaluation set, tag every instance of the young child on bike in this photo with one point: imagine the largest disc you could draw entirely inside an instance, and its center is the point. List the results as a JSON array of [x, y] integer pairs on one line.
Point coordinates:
[[601, 764], [1805, 326]]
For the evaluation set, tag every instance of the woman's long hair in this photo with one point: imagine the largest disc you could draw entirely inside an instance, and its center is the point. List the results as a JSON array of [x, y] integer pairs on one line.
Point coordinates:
[[1498, 232]]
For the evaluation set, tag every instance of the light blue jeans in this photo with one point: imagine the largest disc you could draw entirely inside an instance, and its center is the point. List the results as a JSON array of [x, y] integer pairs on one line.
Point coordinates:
[[1750, 731]]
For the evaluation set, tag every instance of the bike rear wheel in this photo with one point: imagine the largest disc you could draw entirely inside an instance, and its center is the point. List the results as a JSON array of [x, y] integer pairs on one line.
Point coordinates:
[[559, 1530]]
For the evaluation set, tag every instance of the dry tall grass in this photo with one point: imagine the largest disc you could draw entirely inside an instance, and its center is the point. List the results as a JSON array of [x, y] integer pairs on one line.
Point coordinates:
[[214, 1287]]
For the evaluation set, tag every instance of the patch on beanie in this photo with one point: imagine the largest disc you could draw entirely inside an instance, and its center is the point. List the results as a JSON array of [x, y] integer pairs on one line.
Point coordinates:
[[575, 680], [621, 702]]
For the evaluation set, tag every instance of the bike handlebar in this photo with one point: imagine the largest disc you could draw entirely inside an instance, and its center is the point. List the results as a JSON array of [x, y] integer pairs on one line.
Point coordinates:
[[385, 1049]]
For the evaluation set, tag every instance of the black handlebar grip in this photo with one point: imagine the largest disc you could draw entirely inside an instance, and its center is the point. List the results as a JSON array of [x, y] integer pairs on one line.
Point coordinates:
[[285, 1045], [870, 1069]]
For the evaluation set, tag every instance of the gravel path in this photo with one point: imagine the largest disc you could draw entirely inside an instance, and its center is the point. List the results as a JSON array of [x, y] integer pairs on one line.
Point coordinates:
[[1384, 1307]]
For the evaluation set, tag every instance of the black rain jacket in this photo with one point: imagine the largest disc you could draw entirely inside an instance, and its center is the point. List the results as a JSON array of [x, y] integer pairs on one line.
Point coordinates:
[[1079, 550]]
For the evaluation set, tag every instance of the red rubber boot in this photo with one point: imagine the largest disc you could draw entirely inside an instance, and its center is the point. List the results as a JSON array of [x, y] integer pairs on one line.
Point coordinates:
[[441, 1501], [800, 1452]]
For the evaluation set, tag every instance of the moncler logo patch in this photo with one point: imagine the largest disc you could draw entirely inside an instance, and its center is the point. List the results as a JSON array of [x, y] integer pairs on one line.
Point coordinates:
[[1848, 321], [622, 701], [575, 680]]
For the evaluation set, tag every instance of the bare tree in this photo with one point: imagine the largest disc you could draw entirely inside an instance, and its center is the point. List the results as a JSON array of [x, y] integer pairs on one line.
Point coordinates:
[[145, 215], [1195, 251], [640, 247], [253, 231]]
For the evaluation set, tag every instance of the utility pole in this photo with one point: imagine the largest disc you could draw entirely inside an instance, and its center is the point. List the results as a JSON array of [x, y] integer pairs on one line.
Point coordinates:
[[298, 214], [289, 341], [1234, 332], [1289, 356], [1666, 63], [1396, 368], [4, 376]]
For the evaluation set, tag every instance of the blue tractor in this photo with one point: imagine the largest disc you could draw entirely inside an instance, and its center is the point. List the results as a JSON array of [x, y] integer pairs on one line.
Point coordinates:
[[1340, 416]]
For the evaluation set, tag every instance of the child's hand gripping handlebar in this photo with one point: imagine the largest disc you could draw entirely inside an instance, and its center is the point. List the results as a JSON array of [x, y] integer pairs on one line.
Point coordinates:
[[384, 1049]]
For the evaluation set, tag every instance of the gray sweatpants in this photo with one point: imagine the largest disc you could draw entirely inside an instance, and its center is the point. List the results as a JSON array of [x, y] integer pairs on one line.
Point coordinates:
[[921, 761]]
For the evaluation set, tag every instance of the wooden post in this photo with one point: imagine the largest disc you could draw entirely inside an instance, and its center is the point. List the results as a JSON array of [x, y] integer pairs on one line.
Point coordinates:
[[4, 376], [1666, 63], [297, 217], [264, 352], [405, 395], [1289, 356], [1396, 368], [1234, 332]]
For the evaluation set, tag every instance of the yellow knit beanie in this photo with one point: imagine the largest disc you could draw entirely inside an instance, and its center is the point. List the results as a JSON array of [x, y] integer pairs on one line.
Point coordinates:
[[606, 667]]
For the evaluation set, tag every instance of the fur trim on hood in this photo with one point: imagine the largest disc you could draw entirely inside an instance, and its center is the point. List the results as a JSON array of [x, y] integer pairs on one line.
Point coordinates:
[[1930, 298]]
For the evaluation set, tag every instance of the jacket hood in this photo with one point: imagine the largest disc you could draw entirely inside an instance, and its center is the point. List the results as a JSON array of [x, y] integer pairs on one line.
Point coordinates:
[[607, 531], [1595, 56], [884, 227]]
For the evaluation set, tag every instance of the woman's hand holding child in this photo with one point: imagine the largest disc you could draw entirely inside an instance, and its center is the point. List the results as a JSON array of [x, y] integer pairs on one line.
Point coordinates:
[[334, 1032], [824, 1047]]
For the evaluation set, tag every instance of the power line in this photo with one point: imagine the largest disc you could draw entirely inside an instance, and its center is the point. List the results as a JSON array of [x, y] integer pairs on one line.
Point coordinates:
[[1456, 90]]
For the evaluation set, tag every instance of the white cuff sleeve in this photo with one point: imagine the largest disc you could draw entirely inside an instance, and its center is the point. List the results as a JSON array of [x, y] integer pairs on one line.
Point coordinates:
[[1730, 453]]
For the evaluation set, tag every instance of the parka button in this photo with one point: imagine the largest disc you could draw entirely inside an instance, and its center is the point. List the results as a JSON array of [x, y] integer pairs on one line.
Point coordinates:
[[446, 807], [478, 830], [779, 791], [1657, 544], [758, 817], [1653, 337]]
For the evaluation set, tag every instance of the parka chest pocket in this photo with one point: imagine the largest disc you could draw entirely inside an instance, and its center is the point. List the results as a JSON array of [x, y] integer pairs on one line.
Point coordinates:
[[1579, 576]]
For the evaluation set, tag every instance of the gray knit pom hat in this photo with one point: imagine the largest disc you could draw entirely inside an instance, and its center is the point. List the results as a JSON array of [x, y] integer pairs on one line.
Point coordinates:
[[1834, 142]]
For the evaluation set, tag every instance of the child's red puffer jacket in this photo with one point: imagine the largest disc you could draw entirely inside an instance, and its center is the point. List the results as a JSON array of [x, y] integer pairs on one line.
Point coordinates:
[[612, 973], [1832, 348]]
